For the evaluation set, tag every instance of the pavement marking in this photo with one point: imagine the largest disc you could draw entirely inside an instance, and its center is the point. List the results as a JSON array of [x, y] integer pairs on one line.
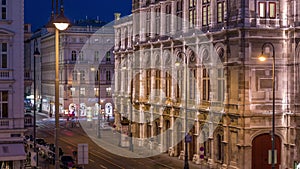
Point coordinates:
[[102, 166]]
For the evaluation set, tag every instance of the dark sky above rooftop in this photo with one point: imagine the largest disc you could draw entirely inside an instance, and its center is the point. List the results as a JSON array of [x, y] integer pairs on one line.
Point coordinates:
[[37, 12]]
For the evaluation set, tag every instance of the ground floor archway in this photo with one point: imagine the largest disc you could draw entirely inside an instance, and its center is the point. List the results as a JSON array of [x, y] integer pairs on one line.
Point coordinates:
[[261, 145]]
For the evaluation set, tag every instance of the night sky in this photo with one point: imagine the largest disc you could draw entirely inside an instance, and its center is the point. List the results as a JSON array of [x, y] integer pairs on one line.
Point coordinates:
[[37, 12]]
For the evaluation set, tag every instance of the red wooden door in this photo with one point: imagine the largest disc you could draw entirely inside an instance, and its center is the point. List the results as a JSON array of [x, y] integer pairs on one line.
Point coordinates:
[[260, 147]]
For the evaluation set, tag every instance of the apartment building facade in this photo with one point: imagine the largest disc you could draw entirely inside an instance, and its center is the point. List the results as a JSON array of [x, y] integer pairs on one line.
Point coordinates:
[[221, 96], [12, 153], [86, 63]]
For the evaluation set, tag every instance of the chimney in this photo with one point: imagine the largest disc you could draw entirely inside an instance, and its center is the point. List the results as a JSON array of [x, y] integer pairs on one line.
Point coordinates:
[[117, 16]]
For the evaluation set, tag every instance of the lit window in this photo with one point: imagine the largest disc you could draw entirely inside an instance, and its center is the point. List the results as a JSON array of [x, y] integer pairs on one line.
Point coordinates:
[[82, 91], [267, 9], [148, 82], [206, 12], [221, 11], [272, 10], [262, 9], [168, 84], [72, 91], [192, 13]]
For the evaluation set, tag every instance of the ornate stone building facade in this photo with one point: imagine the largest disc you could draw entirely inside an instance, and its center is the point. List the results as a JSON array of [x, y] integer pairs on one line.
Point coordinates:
[[222, 96]]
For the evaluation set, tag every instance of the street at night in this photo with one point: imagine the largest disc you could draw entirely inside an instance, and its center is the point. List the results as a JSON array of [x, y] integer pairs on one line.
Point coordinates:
[[70, 137]]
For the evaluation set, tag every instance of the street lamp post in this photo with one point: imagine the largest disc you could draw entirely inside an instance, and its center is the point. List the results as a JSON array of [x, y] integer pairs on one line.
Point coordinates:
[[99, 100], [61, 23], [262, 57], [186, 138], [131, 118], [35, 54]]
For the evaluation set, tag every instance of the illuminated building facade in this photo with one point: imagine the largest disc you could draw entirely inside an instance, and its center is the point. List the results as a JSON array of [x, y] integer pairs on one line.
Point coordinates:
[[229, 91]]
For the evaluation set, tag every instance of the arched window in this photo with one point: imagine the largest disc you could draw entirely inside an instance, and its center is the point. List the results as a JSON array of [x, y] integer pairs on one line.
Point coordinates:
[[219, 147]]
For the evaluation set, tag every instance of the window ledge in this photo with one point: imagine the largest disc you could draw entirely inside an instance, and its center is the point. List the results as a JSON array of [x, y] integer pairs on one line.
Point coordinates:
[[5, 21]]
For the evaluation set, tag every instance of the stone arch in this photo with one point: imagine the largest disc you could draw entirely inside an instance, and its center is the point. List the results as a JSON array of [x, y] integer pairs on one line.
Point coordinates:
[[203, 55]]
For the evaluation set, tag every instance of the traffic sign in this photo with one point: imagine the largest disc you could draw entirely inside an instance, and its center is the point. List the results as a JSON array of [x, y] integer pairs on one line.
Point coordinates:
[[83, 154]]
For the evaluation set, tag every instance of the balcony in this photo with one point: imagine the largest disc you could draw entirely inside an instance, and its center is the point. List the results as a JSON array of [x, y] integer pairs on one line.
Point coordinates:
[[11, 123], [6, 74]]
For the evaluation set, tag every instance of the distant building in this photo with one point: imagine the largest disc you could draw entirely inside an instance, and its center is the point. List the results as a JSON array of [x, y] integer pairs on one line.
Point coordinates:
[[228, 92], [86, 64], [12, 153]]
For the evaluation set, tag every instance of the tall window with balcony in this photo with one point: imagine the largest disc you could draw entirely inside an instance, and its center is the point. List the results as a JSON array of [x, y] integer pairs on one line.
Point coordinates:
[[206, 14], [192, 13], [157, 21], [192, 81], [179, 87], [219, 147], [168, 84], [205, 84], [148, 83], [179, 14], [221, 83], [3, 104], [148, 23], [3, 55], [157, 81], [221, 11], [3, 9]]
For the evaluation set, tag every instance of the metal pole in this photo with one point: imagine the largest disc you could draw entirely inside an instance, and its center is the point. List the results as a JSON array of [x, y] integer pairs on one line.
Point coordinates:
[[34, 108], [131, 118], [56, 98], [273, 113], [99, 100], [186, 162], [273, 104]]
